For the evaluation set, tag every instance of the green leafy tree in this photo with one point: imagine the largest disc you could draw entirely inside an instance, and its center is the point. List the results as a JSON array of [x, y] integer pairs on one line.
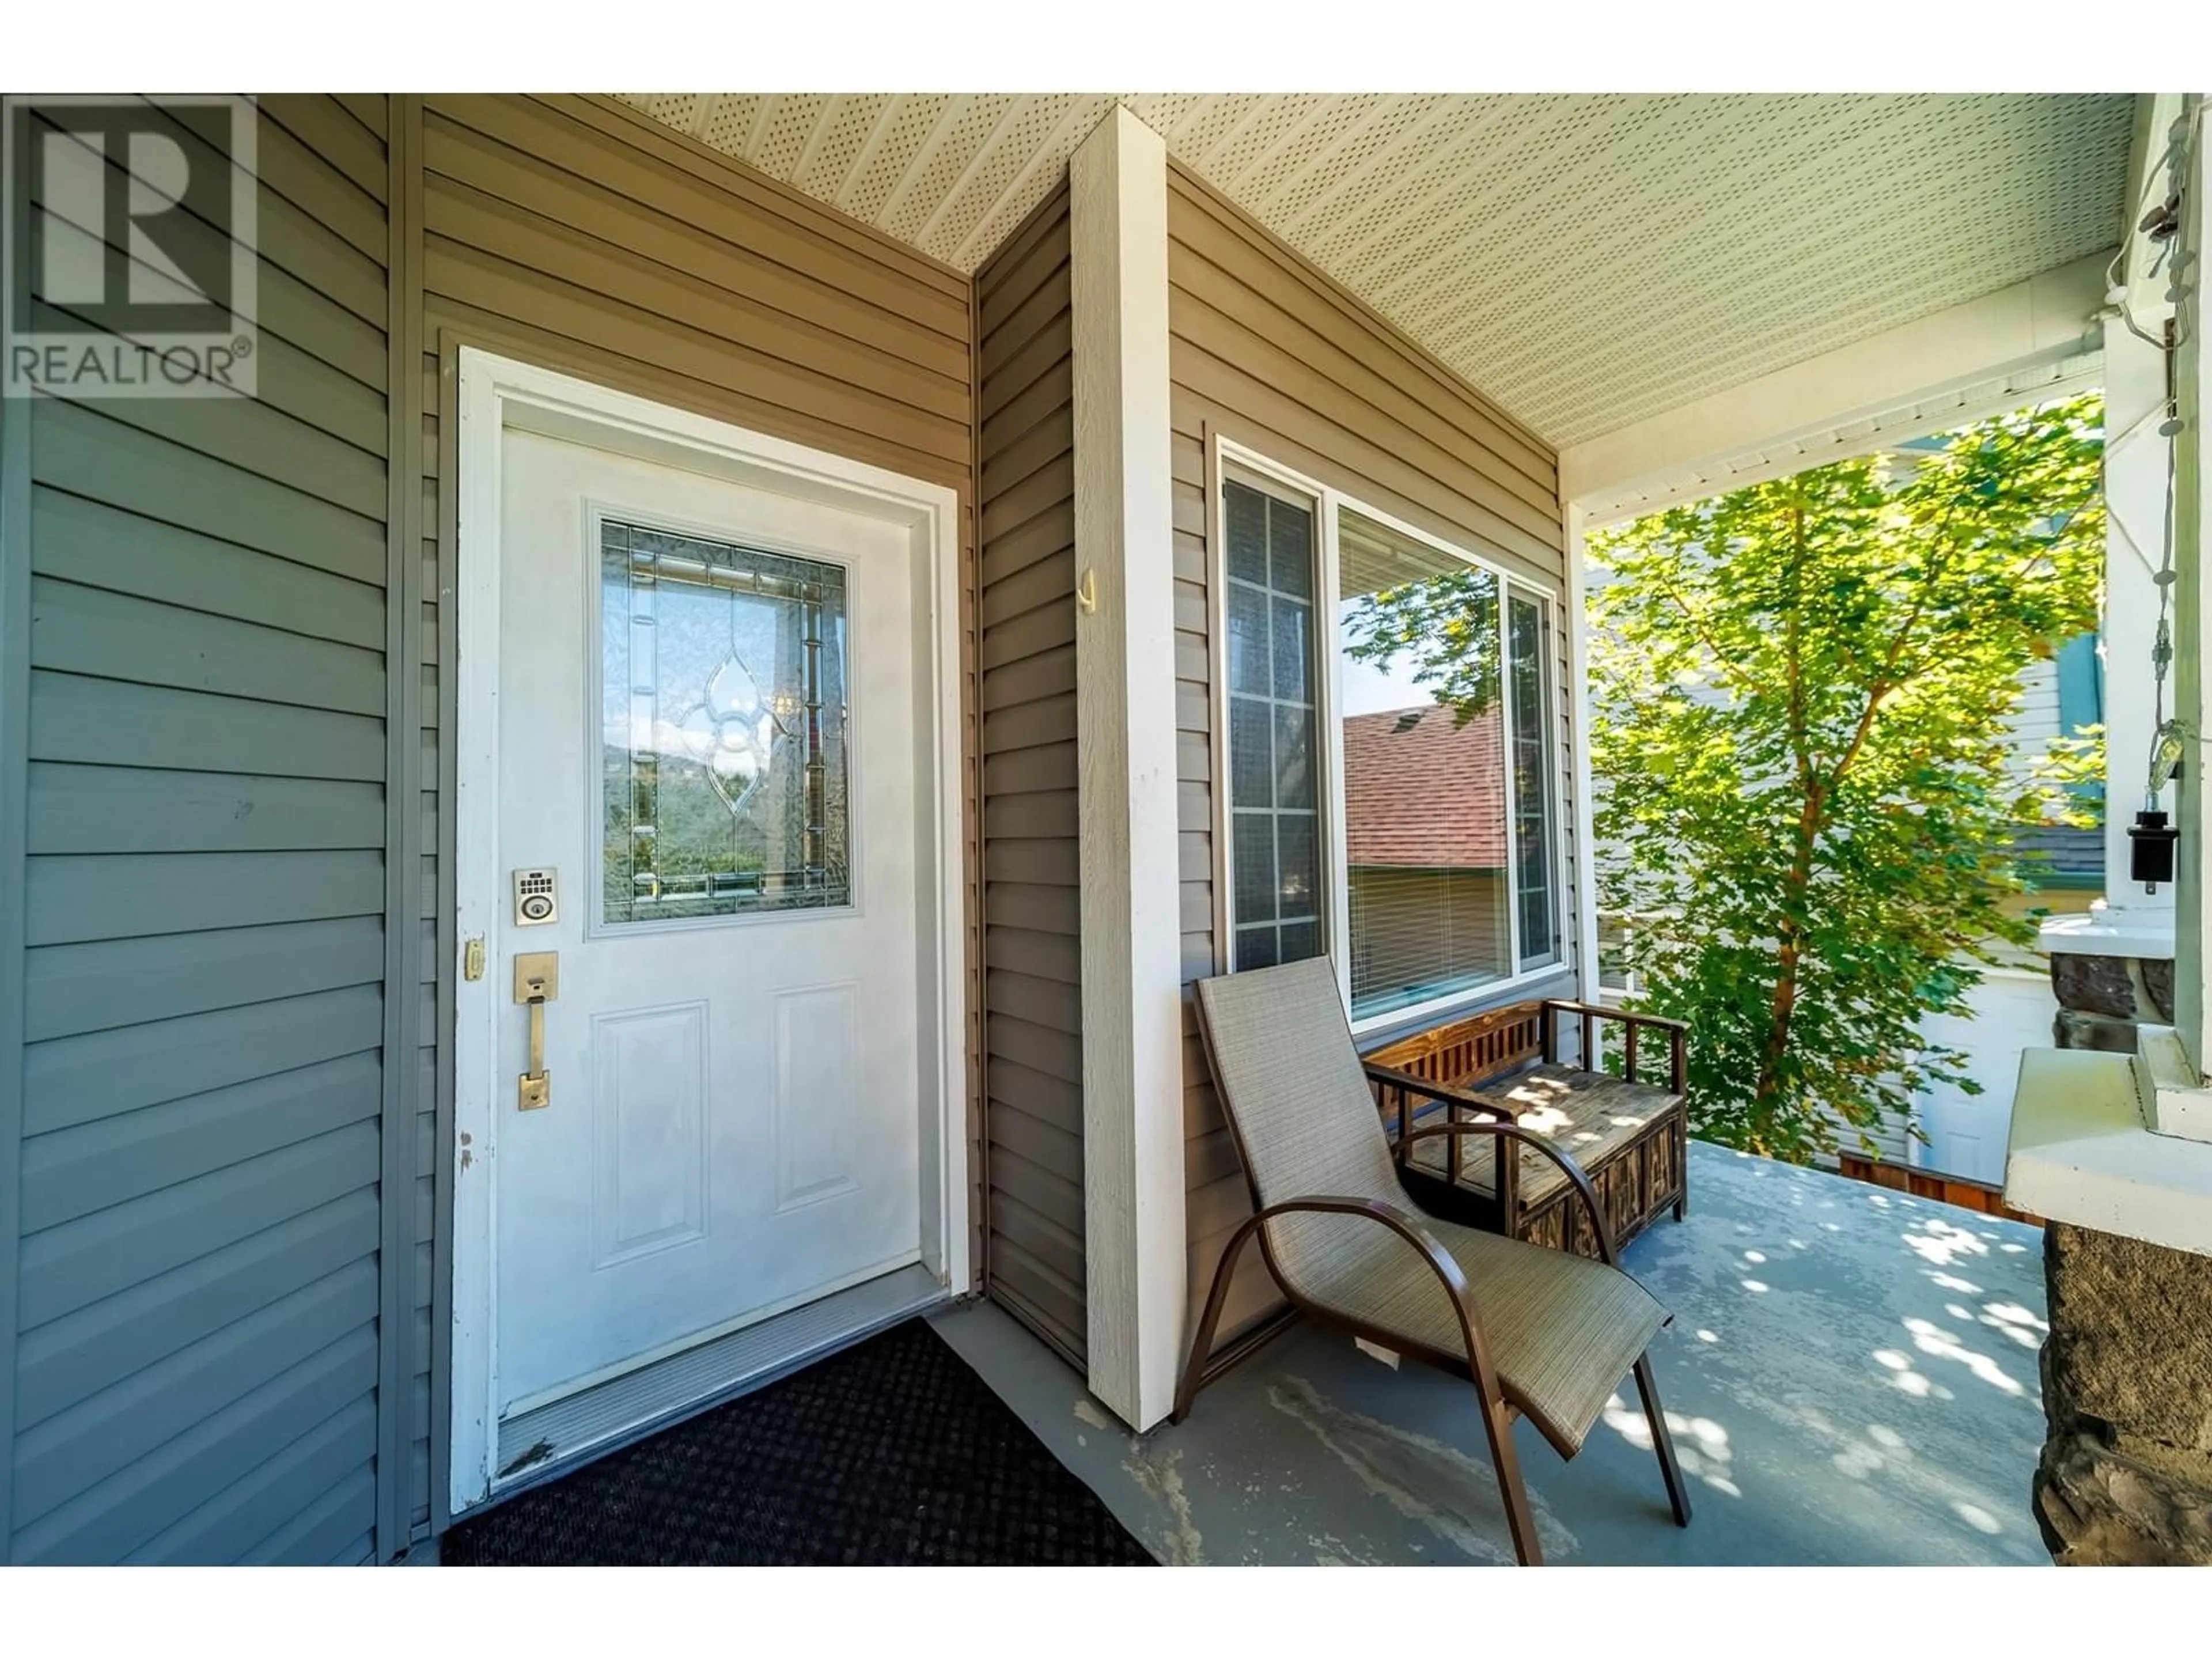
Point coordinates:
[[1808, 796], [1801, 695]]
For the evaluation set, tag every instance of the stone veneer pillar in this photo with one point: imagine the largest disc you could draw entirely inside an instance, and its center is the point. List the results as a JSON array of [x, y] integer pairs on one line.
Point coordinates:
[[2125, 1478], [2101, 999]]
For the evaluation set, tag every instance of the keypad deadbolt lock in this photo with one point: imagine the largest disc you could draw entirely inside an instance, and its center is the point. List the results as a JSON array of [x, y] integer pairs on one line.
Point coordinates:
[[537, 898]]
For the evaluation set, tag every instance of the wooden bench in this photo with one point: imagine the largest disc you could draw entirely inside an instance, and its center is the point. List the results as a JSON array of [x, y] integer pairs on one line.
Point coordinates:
[[1630, 1136]]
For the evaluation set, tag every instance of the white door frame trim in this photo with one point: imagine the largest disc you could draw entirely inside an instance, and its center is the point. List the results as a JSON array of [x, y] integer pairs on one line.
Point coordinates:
[[497, 393]]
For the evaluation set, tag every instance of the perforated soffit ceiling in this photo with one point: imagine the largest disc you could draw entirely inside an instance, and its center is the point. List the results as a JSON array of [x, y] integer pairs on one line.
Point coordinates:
[[1585, 261]]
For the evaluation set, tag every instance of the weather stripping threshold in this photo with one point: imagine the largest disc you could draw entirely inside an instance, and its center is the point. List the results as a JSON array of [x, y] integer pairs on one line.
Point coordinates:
[[548, 1440]]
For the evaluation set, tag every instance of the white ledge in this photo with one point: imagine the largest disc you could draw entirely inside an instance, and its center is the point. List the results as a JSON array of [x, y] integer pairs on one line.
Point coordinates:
[[2082, 1153], [2147, 935]]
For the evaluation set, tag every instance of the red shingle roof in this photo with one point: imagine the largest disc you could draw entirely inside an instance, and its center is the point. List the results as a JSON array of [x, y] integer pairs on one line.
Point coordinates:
[[1421, 791]]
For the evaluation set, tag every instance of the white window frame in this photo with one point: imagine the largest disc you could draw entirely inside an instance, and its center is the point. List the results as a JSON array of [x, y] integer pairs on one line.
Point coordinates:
[[1226, 461], [1558, 773]]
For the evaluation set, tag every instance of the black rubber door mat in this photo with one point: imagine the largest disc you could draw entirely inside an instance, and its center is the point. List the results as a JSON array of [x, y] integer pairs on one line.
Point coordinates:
[[893, 1452]]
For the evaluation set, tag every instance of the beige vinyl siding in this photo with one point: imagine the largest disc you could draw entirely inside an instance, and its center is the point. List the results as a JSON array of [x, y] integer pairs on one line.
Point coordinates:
[[1031, 956], [1266, 352]]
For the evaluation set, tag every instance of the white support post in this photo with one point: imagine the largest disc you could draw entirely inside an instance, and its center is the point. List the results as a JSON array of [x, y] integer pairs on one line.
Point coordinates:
[[2192, 469], [1577, 626], [1132, 1153]]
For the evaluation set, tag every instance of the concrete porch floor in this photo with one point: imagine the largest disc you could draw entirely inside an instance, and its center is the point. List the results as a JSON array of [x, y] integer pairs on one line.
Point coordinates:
[[1851, 1379]]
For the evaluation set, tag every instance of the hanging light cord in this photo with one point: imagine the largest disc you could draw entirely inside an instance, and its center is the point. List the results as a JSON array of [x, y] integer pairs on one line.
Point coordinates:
[[2167, 733], [2165, 746], [2180, 148]]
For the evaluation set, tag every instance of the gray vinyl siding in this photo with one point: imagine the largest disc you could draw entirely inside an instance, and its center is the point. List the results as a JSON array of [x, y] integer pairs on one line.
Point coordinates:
[[1265, 351], [1033, 1005], [226, 1335], [204, 1295]]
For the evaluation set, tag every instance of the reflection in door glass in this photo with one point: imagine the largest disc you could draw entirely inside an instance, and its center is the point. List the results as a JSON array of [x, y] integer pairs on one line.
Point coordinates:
[[723, 749]]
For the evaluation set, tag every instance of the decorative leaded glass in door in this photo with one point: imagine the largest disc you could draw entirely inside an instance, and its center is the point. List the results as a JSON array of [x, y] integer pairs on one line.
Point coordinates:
[[723, 754]]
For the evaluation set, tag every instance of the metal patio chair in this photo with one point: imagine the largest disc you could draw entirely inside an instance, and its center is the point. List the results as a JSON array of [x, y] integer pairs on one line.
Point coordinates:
[[1540, 1332]]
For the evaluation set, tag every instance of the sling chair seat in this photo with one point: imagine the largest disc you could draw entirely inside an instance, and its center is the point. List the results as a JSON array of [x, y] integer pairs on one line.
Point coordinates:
[[1562, 1330]]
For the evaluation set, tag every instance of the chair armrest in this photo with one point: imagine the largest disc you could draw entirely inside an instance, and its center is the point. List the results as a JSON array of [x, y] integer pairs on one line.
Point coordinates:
[[1572, 1170], [1438, 1259]]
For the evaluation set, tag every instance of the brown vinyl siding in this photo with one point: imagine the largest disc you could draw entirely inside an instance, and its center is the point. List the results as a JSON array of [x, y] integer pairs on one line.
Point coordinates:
[[439, 942], [1031, 957], [623, 252], [1268, 353]]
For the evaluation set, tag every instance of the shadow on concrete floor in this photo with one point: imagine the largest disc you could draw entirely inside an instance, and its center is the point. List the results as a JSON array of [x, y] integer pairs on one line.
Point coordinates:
[[1851, 1379]]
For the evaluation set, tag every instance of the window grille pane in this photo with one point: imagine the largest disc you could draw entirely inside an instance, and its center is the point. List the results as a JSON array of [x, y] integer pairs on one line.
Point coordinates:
[[1275, 893], [1294, 768], [1255, 866], [1250, 669], [1290, 550], [1256, 947], [1293, 650], [1528, 648], [1251, 766], [1297, 857], [1248, 536], [723, 758], [1424, 785]]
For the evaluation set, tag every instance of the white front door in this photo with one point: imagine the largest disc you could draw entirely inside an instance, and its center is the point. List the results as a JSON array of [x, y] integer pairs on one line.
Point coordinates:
[[708, 729]]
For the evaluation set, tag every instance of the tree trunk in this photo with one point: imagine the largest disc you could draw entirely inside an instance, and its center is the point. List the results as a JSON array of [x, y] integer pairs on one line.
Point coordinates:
[[1790, 943], [1789, 930], [1767, 1095]]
